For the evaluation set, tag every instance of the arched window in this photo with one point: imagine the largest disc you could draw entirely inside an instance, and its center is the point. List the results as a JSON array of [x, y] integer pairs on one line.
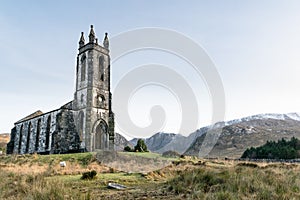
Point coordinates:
[[83, 67], [38, 131], [101, 68], [28, 138], [20, 139], [100, 100], [48, 133]]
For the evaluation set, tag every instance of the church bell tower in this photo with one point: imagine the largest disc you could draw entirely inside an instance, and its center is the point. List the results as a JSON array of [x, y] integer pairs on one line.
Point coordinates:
[[94, 118]]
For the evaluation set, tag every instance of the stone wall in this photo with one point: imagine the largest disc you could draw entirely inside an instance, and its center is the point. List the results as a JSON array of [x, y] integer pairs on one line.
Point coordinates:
[[52, 132]]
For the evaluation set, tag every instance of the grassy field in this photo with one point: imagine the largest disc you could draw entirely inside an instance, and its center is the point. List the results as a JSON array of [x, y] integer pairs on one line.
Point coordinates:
[[148, 155], [41, 177]]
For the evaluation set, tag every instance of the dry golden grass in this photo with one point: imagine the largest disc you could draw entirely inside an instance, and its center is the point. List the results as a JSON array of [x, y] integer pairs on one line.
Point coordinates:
[[52, 168], [41, 177], [238, 180], [133, 162], [4, 138]]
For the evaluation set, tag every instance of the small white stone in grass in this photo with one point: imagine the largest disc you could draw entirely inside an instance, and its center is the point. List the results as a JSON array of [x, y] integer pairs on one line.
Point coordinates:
[[63, 164]]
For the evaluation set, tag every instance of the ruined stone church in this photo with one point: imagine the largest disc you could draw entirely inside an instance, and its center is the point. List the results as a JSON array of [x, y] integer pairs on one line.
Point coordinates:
[[84, 124]]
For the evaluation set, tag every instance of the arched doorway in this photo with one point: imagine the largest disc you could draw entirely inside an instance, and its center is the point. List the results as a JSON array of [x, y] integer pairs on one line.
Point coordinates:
[[101, 136]]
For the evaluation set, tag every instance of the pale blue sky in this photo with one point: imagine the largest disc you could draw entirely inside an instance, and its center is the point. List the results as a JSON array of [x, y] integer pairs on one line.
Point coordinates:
[[255, 46]]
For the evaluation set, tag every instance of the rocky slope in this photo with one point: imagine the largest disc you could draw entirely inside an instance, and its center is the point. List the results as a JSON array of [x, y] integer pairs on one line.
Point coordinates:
[[156, 141], [235, 135], [180, 143], [236, 138], [162, 142], [121, 142]]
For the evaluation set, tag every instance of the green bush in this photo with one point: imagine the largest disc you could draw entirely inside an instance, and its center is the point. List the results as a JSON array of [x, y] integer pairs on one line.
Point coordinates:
[[141, 146], [128, 149]]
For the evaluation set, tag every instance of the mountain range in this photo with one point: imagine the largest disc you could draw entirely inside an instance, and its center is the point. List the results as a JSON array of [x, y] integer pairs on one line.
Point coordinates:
[[234, 136]]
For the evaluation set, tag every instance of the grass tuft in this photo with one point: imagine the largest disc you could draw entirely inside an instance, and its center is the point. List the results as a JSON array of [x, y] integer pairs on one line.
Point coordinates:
[[242, 181]]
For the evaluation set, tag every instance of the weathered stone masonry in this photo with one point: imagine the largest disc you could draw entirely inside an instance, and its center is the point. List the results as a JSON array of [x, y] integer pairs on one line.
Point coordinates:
[[52, 132], [84, 124]]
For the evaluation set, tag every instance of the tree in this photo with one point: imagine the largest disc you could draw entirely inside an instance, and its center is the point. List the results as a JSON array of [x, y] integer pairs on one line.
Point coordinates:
[[128, 148], [141, 146]]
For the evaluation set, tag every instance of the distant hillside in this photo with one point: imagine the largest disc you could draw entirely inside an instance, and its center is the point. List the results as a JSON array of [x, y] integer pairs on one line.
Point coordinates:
[[180, 143], [121, 142], [236, 138], [156, 141], [162, 142], [236, 135]]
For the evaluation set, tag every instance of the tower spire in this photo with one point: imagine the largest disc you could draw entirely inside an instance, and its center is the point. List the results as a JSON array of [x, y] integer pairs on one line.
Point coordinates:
[[82, 40], [92, 35], [106, 41]]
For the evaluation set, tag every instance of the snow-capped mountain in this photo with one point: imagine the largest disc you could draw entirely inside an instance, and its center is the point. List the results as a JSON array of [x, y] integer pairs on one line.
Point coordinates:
[[238, 135], [293, 116], [161, 142]]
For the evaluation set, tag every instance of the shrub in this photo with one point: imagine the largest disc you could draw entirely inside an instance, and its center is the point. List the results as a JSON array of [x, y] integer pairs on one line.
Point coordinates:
[[127, 148], [172, 154], [89, 175], [253, 165]]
